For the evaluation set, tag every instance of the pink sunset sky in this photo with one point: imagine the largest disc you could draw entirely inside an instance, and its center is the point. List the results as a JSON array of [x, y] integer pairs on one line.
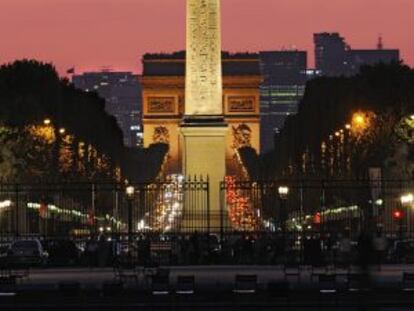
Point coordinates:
[[91, 34]]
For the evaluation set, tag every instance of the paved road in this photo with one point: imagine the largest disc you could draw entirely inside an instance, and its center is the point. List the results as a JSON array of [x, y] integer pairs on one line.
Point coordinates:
[[214, 285], [213, 276]]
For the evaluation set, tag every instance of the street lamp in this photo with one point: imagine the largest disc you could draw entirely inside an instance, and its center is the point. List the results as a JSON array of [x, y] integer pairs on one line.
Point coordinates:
[[359, 119], [47, 121], [407, 199], [283, 194], [130, 191], [62, 131]]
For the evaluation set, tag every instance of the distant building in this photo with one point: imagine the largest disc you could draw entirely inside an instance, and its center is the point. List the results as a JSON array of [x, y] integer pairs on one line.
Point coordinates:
[[330, 53], [284, 78], [358, 58], [334, 57], [122, 94]]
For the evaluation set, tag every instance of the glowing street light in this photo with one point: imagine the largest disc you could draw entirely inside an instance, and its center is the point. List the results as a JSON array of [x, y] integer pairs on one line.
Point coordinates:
[[62, 131], [283, 192], [130, 190], [407, 199], [47, 121], [348, 126], [359, 119]]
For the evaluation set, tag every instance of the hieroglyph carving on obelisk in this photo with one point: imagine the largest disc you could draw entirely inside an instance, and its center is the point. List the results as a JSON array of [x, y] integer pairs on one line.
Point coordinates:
[[203, 95]]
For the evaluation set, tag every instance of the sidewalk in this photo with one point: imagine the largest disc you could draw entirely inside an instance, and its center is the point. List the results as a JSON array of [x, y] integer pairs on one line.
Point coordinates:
[[389, 276]]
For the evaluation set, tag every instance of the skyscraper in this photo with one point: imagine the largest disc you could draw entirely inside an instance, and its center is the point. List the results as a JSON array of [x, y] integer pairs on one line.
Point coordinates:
[[282, 88], [122, 94], [334, 57], [330, 53]]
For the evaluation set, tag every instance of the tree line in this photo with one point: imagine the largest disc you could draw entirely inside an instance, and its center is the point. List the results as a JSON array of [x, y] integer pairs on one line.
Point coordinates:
[[49, 130], [346, 125]]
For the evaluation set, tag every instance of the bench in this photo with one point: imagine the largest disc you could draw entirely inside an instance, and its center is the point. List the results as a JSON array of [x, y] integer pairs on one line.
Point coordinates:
[[185, 285], [408, 282], [327, 287], [245, 284], [356, 282], [326, 283], [160, 284]]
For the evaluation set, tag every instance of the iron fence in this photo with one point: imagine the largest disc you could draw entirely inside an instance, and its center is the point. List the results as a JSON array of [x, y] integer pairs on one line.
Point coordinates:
[[261, 222], [89, 209], [318, 206], [178, 206]]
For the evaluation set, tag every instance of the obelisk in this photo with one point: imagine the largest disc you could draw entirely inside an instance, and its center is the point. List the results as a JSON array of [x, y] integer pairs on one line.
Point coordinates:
[[203, 129], [203, 59]]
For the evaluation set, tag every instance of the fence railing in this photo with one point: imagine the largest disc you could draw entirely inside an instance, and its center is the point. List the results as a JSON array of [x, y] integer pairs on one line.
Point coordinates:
[[178, 206], [88, 209], [318, 206]]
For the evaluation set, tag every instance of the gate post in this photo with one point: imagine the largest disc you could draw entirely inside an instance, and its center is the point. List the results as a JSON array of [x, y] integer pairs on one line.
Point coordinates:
[[16, 214], [222, 187], [208, 206]]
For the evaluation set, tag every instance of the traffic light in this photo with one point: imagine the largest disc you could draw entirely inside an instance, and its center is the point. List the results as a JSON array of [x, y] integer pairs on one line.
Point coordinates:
[[397, 214]]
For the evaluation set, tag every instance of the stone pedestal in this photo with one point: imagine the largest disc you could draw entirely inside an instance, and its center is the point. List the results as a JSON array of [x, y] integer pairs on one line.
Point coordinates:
[[204, 145]]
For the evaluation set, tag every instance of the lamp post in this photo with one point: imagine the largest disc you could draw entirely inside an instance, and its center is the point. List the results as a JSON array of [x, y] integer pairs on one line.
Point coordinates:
[[130, 191], [406, 200], [283, 194]]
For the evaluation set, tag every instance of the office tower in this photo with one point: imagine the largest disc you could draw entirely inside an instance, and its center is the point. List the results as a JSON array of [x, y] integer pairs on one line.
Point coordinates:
[[334, 57], [284, 78], [122, 94], [330, 53]]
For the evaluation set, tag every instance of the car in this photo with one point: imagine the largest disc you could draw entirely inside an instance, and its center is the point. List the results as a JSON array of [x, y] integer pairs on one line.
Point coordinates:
[[3, 250], [403, 251], [27, 252], [62, 252]]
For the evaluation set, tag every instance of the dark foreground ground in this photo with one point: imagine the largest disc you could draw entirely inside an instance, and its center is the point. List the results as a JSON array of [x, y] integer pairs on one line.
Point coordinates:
[[300, 301], [214, 289]]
